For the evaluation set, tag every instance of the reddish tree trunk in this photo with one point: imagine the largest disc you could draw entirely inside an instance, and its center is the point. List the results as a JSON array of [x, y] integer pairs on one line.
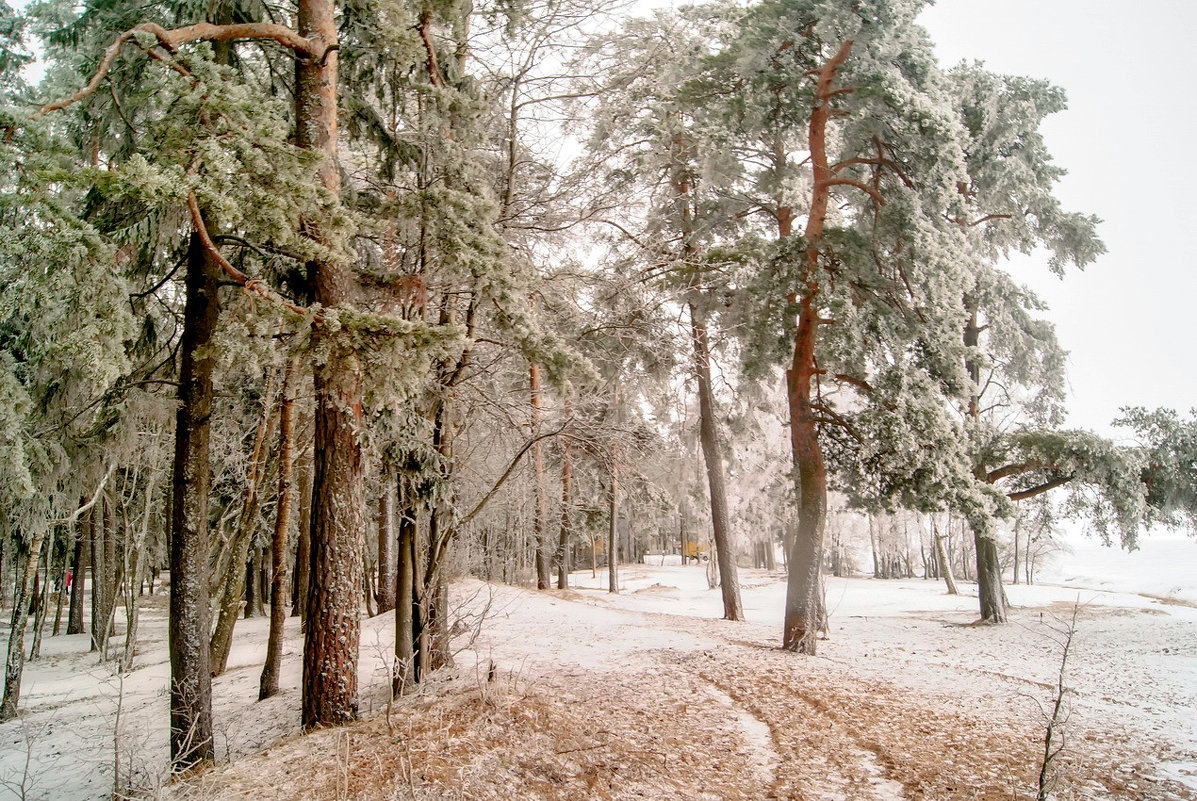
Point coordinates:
[[333, 623], [803, 611]]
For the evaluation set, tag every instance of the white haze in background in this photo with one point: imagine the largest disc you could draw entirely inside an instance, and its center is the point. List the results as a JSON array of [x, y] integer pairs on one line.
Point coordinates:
[[1127, 320]]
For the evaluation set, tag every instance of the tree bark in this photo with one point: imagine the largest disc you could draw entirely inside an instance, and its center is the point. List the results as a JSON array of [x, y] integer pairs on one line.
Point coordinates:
[[333, 624], [990, 595], [386, 544], [268, 684], [79, 565], [803, 588], [190, 680], [240, 576], [540, 507], [303, 540], [14, 665], [945, 562], [405, 597], [613, 530], [712, 451], [566, 508]]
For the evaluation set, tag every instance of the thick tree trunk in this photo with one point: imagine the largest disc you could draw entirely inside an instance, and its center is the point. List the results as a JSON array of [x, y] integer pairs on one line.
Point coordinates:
[[990, 595], [386, 544], [268, 683], [333, 625], [729, 580], [989, 579], [804, 603], [190, 678], [540, 513]]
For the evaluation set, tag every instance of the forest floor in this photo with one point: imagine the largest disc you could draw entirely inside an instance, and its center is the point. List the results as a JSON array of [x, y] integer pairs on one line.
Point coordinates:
[[581, 694]]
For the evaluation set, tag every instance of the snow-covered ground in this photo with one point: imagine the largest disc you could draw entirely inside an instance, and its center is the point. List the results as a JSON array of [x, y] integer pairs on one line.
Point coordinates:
[[647, 694]]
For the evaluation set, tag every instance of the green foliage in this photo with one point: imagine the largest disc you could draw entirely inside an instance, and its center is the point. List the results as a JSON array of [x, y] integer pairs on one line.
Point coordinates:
[[1168, 458]]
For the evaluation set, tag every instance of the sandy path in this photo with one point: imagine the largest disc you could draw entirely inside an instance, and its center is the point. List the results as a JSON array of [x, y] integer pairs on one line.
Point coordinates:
[[596, 700]]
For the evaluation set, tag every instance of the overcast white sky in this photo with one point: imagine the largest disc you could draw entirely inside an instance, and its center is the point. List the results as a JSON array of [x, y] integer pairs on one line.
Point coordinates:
[[1129, 143]]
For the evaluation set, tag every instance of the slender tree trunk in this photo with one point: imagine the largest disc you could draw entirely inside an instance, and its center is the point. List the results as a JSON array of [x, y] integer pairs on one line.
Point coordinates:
[[303, 540], [803, 587], [190, 678], [251, 587], [14, 665], [386, 544], [268, 684], [240, 575], [729, 580], [1017, 526], [539, 507], [60, 581], [79, 565], [136, 552], [114, 571], [405, 596], [42, 599], [941, 555], [566, 509], [613, 530], [95, 561]]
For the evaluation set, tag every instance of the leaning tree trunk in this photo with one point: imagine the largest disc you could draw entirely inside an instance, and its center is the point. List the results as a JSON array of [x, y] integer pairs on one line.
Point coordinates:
[[804, 607], [14, 665], [945, 562], [268, 683], [240, 574], [190, 679], [712, 451]]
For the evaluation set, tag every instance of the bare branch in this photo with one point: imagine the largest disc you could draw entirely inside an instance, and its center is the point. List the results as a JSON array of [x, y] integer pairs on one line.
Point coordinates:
[[172, 38], [1022, 495], [253, 285], [870, 191]]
